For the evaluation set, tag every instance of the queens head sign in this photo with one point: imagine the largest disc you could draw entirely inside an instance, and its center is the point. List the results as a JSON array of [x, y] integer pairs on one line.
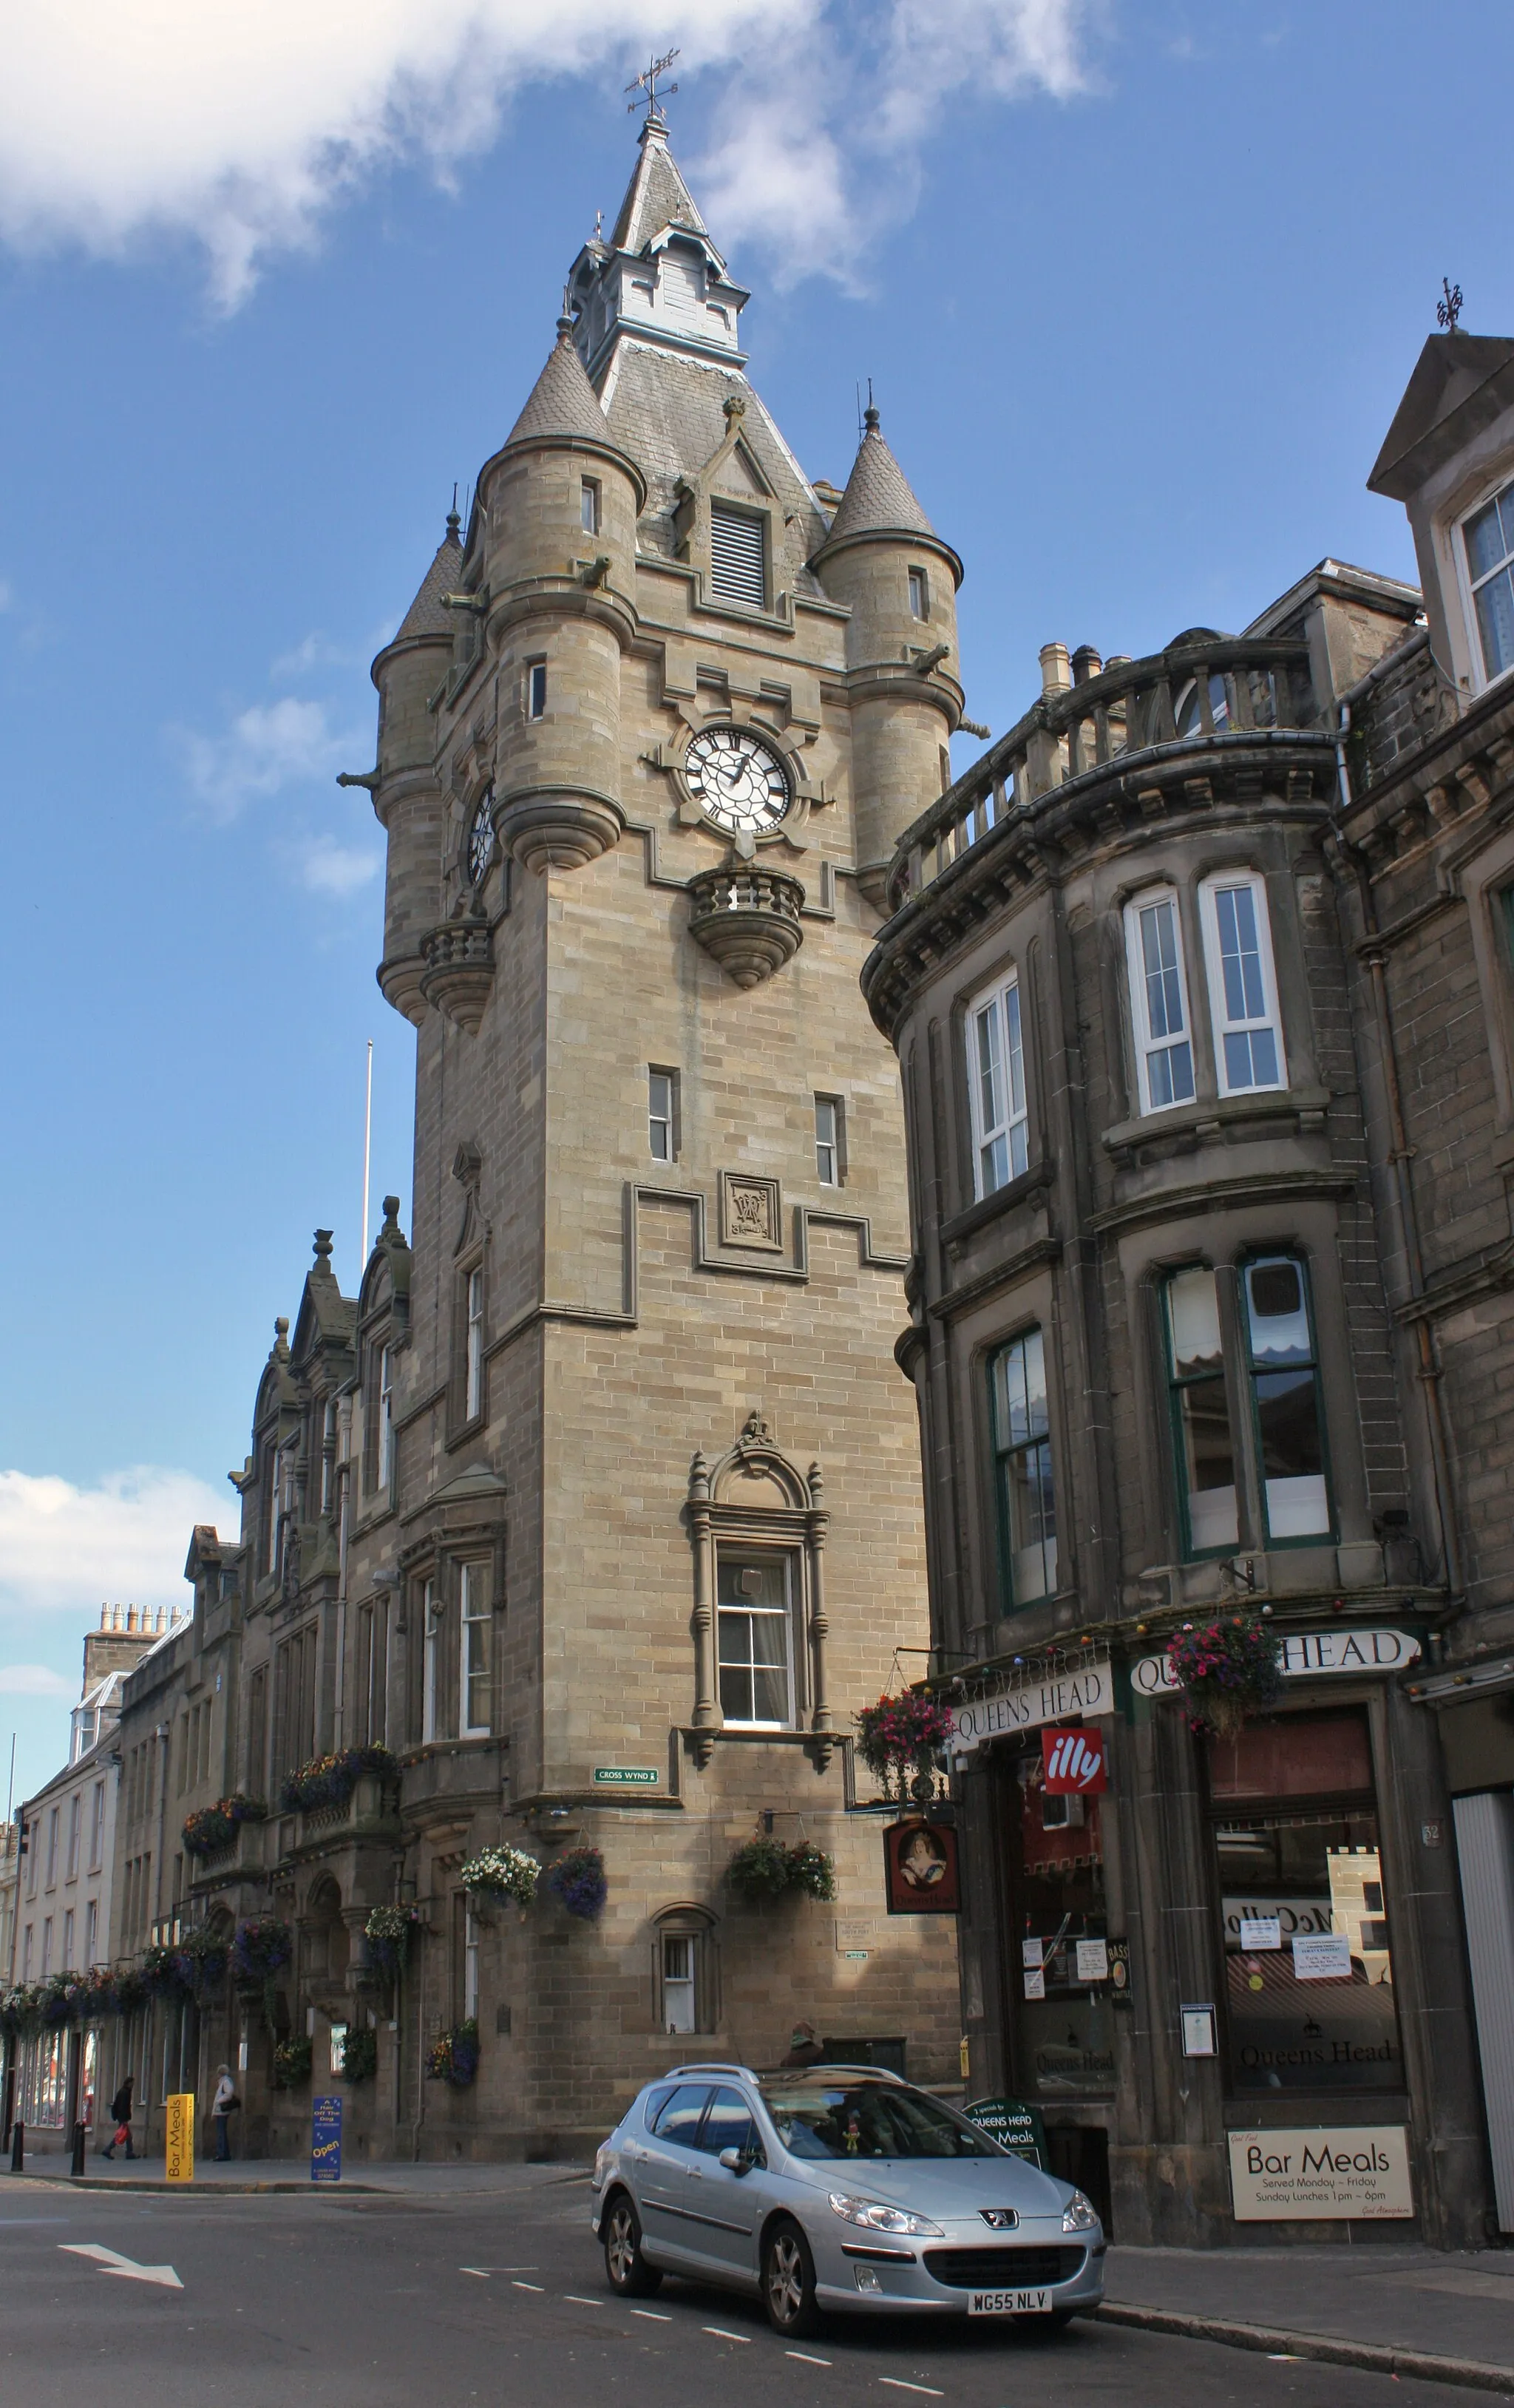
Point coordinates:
[[1086, 1687]]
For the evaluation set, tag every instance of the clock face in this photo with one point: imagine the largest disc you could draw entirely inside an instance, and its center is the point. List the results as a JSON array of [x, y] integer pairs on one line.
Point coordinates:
[[480, 848], [738, 779]]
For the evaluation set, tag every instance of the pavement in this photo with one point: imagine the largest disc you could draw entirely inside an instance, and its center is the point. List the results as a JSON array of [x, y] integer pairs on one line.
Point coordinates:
[[457, 2284], [1384, 2306]]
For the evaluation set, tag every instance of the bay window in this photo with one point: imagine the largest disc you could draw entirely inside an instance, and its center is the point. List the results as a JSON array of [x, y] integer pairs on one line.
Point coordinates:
[[1285, 1395], [997, 1088], [1158, 1000], [476, 1654], [1022, 1469], [1203, 1448], [1489, 537], [1243, 987]]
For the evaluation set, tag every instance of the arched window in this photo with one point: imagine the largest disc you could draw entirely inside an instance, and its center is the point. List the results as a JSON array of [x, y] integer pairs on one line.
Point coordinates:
[[685, 1991]]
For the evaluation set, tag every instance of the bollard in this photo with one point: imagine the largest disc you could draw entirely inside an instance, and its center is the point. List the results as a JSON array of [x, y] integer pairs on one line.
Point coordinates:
[[17, 2137], [80, 2137]]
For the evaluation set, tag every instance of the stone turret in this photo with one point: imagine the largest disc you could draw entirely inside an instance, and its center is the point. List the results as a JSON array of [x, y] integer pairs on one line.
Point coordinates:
[[884, 559], [558, 508], [405, 794]]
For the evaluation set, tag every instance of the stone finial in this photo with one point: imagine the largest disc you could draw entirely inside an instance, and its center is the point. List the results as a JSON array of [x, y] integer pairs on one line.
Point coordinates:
[[323, 1249], [280, 1344]]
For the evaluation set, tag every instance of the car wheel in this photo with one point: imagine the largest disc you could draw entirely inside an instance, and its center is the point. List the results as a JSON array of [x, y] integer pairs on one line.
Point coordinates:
[[625, 2265], [789, 2282]]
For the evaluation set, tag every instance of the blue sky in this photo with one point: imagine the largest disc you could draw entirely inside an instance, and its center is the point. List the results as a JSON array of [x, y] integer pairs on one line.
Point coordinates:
[[1138, 287]]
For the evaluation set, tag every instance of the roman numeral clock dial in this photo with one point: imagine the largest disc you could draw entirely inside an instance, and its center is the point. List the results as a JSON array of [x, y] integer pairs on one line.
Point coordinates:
[[738, 779]]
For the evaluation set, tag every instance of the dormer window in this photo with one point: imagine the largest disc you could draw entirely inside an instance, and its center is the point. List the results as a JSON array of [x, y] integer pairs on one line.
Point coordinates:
[[1489, 536], [737, 551]]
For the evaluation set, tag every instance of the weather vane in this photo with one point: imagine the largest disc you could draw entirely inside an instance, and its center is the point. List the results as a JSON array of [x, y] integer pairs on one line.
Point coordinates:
[[1449, 310], [648, 84]]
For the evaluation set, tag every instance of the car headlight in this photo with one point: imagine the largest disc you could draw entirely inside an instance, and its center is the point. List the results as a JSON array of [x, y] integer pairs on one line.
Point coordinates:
[[1080, 2215], [874, 2216]]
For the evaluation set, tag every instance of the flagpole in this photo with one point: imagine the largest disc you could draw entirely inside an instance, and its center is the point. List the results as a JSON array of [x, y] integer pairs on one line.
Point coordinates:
[[367, 1158]]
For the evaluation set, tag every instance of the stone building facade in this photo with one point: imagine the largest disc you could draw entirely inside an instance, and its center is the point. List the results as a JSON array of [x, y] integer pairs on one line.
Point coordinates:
[[1201, 1036], [599, 1505]]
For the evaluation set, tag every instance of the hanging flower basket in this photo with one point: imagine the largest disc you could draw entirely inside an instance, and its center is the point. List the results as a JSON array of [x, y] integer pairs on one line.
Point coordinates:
[[18, 2010], [260, 1949], [495, 1874], [212, 1830], [900, 1741], [207, 1953], [764, 1869], [578, 1879], [291, 2061], [453, 2058], [99, 1994], [389, 1931], [1228, 1670], [166, 1974], [330, 1780], [130, 1989], [360, 2054]]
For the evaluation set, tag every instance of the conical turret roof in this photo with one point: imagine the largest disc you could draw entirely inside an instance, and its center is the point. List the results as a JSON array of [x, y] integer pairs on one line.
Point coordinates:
[[426, 615], [656, 196], [563, 401], [878, 498]]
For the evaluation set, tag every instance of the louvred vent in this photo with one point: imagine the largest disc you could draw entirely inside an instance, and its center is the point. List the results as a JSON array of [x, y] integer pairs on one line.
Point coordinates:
[[735, 542]]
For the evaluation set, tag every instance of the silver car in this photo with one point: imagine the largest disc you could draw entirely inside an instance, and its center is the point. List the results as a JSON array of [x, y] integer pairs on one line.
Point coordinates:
[[837, 2186]]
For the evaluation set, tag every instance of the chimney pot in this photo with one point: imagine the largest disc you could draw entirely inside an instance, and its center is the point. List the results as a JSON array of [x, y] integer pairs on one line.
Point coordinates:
[[1086, 663], [1056, 673]]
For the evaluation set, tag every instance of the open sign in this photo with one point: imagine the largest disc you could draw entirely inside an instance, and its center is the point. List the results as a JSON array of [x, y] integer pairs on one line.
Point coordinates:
[[1073, 1763]]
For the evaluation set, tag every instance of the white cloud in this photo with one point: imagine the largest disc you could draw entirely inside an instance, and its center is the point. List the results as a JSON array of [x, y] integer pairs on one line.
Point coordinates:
[[64, 1549], [34, 1680], [266, 747], [327, 867], [239, 125]]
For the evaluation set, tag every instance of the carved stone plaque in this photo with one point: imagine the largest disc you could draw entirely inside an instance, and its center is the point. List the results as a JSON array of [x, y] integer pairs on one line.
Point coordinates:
[[751, 1212]]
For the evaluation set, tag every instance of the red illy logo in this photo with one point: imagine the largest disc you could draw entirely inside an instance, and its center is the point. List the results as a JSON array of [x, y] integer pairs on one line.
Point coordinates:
[[1073, 1763]]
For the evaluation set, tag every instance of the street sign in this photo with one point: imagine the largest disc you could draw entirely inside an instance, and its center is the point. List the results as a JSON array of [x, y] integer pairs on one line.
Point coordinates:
[[626, 1776], [325, 2140], [1013, 2125], [180, 2137]]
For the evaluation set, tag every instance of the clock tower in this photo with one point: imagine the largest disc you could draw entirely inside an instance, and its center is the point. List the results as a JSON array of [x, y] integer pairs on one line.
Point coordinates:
[[637, 1524]]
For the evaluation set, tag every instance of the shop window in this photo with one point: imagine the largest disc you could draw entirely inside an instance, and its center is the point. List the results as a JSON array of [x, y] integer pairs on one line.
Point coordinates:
[[1304, 1920], [1285, 1395], [756, 1654], [1243, 984], [1159, 1001], [1022, 1469], [1060, 1975], [997, 1088], [1203, 1448]]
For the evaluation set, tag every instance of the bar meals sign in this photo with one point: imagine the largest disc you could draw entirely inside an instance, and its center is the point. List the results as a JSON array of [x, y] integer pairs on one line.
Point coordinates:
[[1084, 1688], [1356, 2170], [1306, 1654]]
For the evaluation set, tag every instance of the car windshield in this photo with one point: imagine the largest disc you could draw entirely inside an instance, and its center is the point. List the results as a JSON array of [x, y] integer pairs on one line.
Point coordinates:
[[844, 2118]]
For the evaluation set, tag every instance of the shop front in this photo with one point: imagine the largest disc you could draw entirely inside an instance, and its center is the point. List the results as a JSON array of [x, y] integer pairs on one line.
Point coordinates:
[[1216, 1967]]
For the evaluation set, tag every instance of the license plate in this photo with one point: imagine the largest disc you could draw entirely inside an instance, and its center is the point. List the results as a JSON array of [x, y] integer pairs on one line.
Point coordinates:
[[1008, 2303]]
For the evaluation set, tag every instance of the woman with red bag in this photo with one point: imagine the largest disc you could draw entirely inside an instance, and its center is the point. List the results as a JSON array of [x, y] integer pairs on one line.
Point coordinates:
[[121, 2116]]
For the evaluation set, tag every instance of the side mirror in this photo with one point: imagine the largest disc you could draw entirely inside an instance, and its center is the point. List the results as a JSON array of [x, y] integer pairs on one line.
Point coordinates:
[[741, 2161]]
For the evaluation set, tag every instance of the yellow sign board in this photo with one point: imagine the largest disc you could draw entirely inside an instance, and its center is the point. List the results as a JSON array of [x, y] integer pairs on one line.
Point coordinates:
[[180, 2137]]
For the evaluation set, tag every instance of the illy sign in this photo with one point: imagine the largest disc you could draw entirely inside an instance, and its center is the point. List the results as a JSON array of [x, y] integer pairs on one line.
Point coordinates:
[[1073, 1763]]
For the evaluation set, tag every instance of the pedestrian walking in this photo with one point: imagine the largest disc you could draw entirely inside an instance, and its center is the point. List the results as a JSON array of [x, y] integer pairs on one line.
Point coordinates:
[[223, 2107], [120, 2117]]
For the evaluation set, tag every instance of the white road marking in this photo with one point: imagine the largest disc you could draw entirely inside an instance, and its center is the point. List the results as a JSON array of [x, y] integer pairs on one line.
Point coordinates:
[[657, 2314], [894, 2384], [803, 2356], [519, 2285], [482, 2271], [579, 2302], [111, 2262], [720, 2335]]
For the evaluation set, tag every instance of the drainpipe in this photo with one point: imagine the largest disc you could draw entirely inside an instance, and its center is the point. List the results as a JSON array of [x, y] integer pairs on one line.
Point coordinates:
[[344, 1479], [1401, 1156]]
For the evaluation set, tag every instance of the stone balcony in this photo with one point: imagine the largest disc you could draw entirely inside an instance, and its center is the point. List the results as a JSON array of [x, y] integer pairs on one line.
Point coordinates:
[[747, 919], [459, 971]]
